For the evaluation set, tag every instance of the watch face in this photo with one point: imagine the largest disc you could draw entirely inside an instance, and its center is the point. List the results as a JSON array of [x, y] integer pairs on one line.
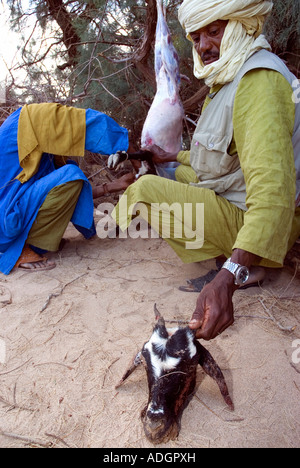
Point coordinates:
[[242, 275]]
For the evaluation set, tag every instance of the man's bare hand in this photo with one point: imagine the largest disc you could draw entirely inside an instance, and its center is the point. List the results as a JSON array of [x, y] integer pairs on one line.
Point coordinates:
[[160, 156], [116, 185], [214, 309]]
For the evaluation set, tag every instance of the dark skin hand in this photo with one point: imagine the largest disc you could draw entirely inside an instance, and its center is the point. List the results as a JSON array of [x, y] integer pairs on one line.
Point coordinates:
[[214, 309], [114, 186], [160, 156]]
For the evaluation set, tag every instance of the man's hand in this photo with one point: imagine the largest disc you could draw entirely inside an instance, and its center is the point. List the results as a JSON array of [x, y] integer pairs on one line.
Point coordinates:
[[117, 185], [214, 309], [160, 156]]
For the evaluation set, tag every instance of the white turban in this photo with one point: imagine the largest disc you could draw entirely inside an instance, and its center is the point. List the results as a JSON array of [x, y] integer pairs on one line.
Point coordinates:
[[241, 39]]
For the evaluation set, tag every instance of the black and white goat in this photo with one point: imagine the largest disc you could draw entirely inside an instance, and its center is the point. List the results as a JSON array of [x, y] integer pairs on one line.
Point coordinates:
[[171, 357]]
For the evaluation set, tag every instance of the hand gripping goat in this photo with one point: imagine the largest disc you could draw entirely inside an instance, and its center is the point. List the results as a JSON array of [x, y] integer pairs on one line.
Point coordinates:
[[171, 357]]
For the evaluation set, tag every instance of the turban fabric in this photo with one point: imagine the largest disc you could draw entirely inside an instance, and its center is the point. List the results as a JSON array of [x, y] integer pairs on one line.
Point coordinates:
[[242, 36]]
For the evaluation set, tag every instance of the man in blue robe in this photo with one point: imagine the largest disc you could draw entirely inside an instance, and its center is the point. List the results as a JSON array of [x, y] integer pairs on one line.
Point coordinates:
[[39, 193]]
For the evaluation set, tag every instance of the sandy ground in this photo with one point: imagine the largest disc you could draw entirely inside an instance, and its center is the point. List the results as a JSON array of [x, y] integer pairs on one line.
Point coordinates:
[[67, 335]]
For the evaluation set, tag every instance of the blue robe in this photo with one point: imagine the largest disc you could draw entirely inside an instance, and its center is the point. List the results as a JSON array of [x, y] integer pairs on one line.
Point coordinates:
[[20, 203]]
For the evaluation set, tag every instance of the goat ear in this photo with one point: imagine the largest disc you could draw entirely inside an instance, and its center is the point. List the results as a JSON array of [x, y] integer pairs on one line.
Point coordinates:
[[136, 361], [212, 369]]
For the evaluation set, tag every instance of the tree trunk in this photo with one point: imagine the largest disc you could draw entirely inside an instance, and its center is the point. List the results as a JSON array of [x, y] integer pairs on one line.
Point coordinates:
[[71, 39], [141, 56]]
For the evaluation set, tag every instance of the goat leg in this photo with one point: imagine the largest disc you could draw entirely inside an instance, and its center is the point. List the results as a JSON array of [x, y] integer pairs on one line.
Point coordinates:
[[115, 160], [143, 157]]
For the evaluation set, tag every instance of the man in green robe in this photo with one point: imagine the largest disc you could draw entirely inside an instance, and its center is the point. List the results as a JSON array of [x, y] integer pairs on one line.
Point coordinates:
[[243, 165]]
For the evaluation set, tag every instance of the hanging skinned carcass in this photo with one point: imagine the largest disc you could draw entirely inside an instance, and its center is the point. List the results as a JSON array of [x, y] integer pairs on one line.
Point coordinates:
[[171, 358], [164, 123]]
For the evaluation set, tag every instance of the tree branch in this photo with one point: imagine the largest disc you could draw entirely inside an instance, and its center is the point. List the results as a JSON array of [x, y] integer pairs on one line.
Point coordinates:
[[60, 14]]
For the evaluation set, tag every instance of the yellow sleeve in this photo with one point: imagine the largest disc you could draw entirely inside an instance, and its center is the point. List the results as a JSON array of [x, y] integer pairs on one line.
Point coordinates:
[[263, 121], [183, 157]]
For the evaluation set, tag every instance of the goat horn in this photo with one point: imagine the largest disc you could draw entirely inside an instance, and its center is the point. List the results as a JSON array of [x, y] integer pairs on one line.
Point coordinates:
[[159, 317], [157, 313]]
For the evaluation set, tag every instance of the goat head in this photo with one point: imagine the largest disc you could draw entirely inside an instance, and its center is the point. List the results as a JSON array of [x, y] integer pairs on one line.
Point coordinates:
[[171, 357]]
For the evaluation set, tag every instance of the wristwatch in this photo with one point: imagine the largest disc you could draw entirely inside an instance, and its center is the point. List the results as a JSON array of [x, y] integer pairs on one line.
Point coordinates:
[[240, 273]]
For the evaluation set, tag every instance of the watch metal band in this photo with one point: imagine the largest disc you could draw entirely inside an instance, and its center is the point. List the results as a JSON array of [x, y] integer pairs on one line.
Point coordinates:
[[240, 273], [230, 266]]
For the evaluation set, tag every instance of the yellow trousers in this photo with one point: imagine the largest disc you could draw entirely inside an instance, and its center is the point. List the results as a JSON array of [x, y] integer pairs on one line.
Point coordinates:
[[154, 198], [154, 195], [54, 216]]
